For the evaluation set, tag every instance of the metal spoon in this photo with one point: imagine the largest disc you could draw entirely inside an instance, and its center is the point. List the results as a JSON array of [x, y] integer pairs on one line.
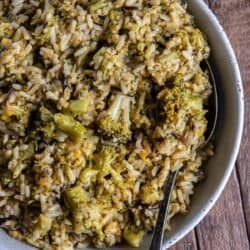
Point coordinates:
[[156, 243]]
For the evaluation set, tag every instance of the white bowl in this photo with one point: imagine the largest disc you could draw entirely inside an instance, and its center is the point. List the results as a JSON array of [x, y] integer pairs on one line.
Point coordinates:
[[228, 133]]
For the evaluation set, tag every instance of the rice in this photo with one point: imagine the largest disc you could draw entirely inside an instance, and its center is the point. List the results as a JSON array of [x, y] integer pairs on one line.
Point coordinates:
[[99, 101]]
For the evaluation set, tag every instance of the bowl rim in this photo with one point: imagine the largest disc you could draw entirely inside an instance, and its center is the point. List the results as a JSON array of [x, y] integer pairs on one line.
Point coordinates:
[[207, 206]]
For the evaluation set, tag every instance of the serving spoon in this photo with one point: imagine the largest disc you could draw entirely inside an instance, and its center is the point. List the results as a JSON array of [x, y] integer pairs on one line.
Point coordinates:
[[156, 242]]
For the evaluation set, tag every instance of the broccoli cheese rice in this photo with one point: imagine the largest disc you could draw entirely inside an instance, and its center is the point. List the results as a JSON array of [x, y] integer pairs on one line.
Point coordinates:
[[99, 100]]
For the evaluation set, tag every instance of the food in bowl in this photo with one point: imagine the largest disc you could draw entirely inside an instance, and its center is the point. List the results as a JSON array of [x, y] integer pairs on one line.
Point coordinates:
[[99, 100]]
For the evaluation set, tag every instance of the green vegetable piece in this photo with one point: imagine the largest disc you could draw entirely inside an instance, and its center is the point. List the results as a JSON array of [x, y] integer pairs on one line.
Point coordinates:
[[115, 15], [32, 241], [29, 152], [49, 129], [104, 159], [17, 36], [117, 177], [6, 177], [115, 121], [75, 196], [48, 122], [149, 194], [105, 156], [18, 170], [133, 236], [194, 102], [45, 114], [70, 126], [99, 4], [79, 107], [87, 175], [20, 79], [43, 225]]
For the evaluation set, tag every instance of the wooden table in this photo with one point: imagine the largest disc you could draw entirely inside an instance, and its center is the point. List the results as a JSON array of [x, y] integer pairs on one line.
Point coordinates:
[[227, 226]]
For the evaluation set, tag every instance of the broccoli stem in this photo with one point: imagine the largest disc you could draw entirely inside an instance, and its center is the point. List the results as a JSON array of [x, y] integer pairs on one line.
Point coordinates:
[[126, 110], [115, 121], [120, 107], [115, 109]]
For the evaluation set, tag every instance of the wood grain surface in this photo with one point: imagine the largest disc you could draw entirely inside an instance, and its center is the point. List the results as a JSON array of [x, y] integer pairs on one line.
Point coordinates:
[[227, 226]]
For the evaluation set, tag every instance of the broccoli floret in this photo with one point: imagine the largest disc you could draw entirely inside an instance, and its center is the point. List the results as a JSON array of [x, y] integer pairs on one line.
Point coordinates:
[[48, 125], [103, 161], [43, 226], [70, 126], [193, 102], [75, 196], [149, 194], [133, 236], [18, 170], [5, 177], [30, 151], [115, 121], [182, 108], [45, 114], [96, 5], [87, 176], [75, 199]]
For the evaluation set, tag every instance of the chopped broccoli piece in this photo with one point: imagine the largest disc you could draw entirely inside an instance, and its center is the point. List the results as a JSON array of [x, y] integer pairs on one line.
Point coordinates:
[[43, 225], [79, 107], [18, 170], [32, 241], [5, 177], [181, 108], [118, 180], [104, 158], [70, 126], [45, 114], [193, 102], [179, 97], [115, 122], [133, 236], [103, 161], [49, 129], [30, 151], [18, 35], [99, 4], [47, 118], [75, 196], [149, 194], [87, 175]]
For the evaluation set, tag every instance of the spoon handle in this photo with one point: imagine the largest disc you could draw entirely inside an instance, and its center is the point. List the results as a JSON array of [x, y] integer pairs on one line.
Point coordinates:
[[156, 242]]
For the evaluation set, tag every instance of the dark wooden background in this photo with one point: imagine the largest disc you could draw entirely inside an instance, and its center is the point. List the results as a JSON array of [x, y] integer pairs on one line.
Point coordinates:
[[227, 226]]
